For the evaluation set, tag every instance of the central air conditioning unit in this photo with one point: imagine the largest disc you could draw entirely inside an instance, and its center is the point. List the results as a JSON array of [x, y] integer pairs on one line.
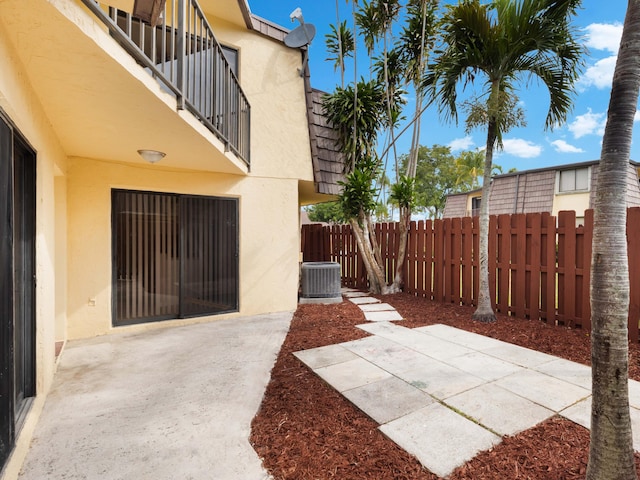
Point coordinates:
[[320, 282]]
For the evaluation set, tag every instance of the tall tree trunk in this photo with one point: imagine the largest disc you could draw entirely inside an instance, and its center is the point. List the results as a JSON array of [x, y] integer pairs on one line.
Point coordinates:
[[377, 282], [403, 224], [611, 447], [484, 310]]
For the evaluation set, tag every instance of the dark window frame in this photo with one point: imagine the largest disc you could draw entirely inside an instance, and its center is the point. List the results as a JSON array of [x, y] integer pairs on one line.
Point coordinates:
[[182, 237]]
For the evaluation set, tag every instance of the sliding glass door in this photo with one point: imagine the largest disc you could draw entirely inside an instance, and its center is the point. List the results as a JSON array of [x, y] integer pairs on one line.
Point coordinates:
[[17, 283], [175, 256]]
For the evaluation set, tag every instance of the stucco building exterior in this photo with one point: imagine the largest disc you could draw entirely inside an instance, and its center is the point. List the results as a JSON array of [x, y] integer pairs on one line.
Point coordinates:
[[95, 238], [550, 189]]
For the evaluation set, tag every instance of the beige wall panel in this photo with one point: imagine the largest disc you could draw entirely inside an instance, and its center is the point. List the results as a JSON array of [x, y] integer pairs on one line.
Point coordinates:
[[270, 79], [269, 237]]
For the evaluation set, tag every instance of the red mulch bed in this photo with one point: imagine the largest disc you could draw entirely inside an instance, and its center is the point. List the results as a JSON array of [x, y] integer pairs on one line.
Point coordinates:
[[307, 430]]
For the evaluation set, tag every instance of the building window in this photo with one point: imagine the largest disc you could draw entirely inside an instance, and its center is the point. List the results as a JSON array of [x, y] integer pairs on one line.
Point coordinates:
[[231, 54], [175, 256], [574, 180], [475, 206]]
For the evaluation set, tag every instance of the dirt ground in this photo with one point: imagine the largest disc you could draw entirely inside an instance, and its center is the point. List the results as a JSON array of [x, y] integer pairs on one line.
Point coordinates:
[[307, 430]]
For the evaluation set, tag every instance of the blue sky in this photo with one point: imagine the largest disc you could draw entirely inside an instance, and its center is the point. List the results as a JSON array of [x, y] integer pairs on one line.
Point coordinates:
[[578, 140]]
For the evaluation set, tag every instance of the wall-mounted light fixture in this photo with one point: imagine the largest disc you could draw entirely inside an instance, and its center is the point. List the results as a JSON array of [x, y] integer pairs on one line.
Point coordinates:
[[152, 156]]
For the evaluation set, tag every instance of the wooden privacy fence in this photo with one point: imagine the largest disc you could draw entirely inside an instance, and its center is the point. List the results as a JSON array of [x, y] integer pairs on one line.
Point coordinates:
[[539, 265]]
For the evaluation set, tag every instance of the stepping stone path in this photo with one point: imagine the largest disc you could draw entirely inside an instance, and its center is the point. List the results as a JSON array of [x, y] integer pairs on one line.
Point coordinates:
[[445, 394]]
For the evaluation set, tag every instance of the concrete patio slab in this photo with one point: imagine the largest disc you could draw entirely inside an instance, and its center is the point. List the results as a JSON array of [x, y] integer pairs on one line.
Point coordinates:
[[164, 404], [568, 371], [325, 356], [439, 379], [363, 300], [484, 366], [522, 356], [388, 399], [387, 316], [354, 373], [439, 438], [544, 390], [499, 410], [376, 307]]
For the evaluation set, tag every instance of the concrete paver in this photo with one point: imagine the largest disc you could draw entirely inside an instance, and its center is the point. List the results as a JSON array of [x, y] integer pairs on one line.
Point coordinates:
[[499, 410], [525, 357], [484, 366], [439, 379], [439, 438], [354, 294], [325, 356], [461, 337], [388, 399], [386, 316], [386, 354], [376, 307], [568, 371], [544, 390], [363, 300], [354, 373]]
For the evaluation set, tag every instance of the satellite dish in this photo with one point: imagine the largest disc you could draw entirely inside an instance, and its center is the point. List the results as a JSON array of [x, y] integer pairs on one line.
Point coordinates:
[[300, 36]]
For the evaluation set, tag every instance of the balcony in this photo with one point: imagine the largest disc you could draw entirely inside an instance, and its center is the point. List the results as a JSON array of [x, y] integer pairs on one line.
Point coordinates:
[[182, 53]]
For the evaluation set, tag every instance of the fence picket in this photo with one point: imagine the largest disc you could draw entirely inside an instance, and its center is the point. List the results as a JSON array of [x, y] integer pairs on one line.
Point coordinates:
[[533, 262]]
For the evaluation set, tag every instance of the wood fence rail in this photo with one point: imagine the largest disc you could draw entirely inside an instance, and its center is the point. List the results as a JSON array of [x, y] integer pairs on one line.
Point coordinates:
[[539, 265]]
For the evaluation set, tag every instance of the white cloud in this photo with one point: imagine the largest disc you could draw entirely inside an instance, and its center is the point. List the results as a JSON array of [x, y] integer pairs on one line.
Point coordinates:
[[636, 117], [521, 148], [600, 74], [604, 36], [588, 124], [461, 144], [564, 147]]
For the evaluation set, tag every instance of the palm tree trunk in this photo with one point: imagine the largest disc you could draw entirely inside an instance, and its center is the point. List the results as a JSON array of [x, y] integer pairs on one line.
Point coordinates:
[[484, 311], [405, 219], [377, 282], [611, 447]]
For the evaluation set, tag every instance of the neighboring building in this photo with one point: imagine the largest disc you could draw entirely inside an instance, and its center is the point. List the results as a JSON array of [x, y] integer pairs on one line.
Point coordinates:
[[94, 239], [551, 189]]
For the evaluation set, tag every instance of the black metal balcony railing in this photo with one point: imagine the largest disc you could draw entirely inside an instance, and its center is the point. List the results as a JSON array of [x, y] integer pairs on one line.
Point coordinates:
[[183, 54]]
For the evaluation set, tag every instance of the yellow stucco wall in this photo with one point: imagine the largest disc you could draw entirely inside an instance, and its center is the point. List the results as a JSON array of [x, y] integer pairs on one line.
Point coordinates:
[[269, 76], [571, 201], [21, 105], [268, 227]]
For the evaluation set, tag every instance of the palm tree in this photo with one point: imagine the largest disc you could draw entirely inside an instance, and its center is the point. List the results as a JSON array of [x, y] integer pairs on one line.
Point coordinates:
[[340, 45], [504, 41], [611, 446]]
